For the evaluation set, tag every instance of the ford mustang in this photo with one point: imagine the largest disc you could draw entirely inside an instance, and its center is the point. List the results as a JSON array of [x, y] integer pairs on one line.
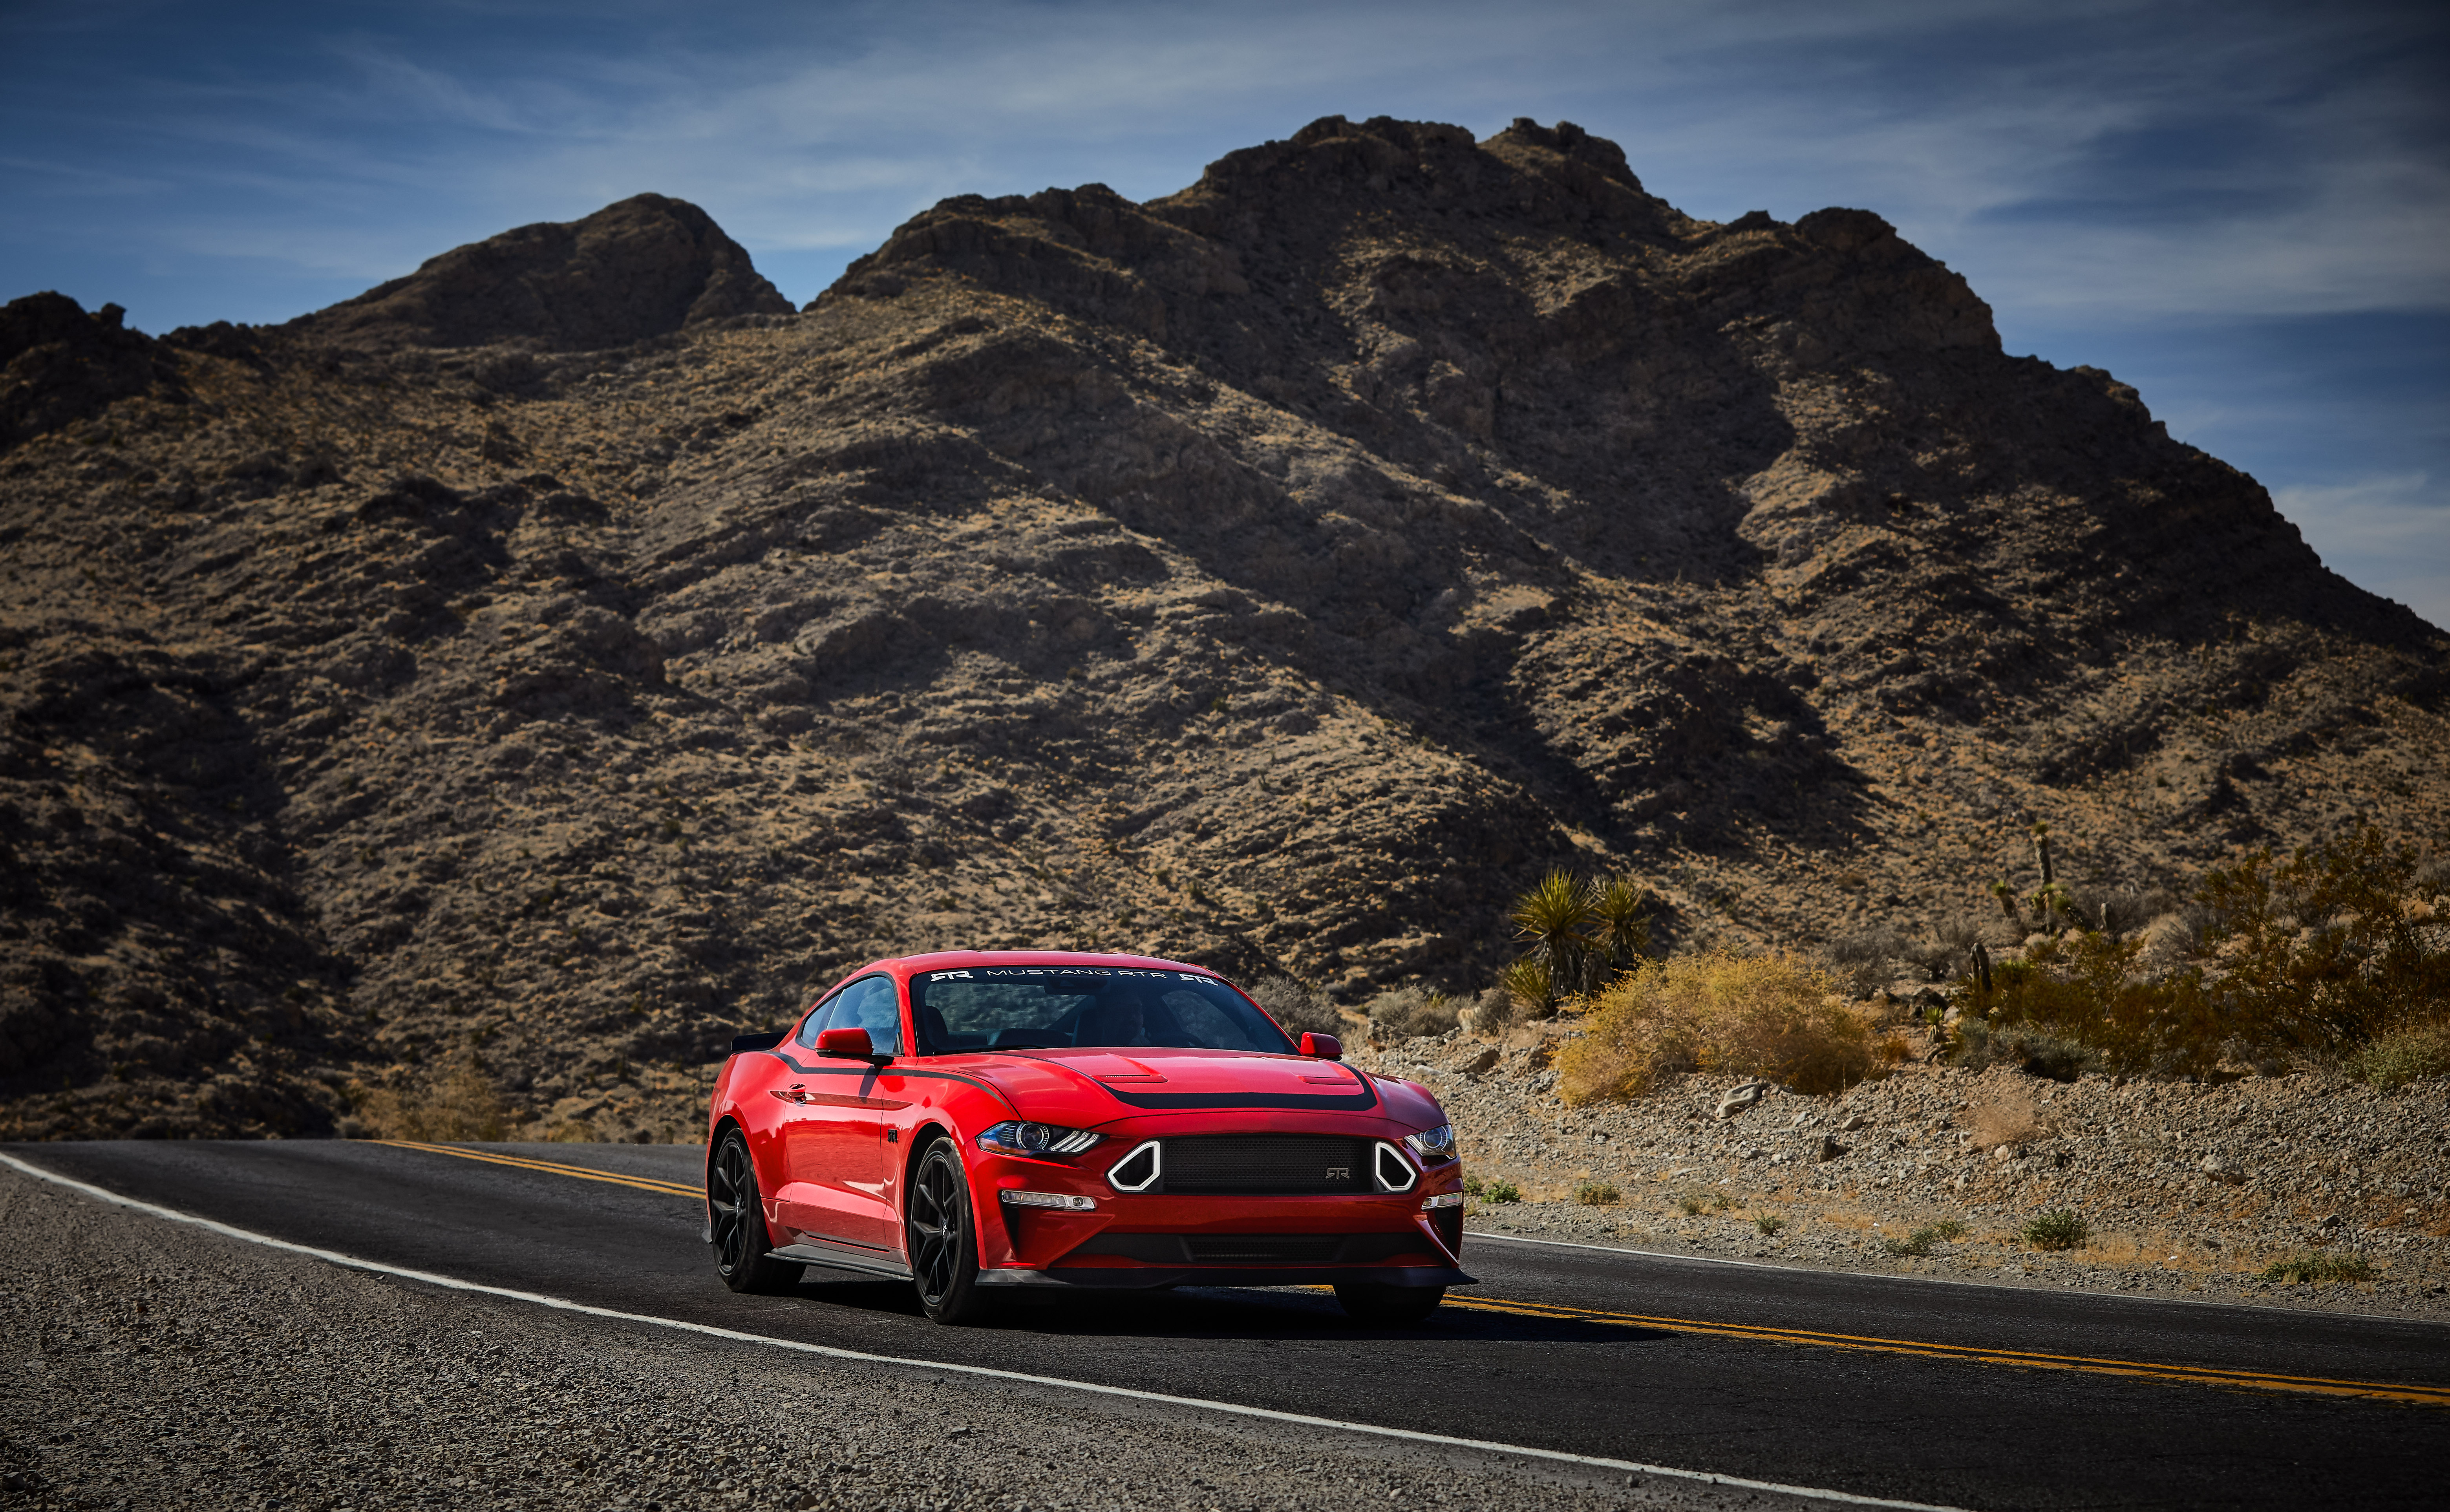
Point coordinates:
[[978, 1122]]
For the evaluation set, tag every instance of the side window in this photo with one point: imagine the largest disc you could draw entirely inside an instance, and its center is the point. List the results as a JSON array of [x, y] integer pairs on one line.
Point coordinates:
[[815, 1023], [872, 1004]]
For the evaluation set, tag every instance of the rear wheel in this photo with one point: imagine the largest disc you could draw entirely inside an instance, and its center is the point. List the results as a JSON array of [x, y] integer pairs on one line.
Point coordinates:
[[1371, 1302], [741, 1238], [942, 1242]]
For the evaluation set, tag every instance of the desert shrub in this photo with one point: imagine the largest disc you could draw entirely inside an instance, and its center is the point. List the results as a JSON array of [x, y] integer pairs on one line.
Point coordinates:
[[1492, 1012], [1472, 1186], [2333, 948], [2059, 1229], [1696, 1203], [2035, 1052], [1769, 1224], [2009, 1119], [1595, 1195], [1920, 1241], [1410, 1011], [2400, 1056], [1770, 1015], [1300, 1010], [1501, 1191], [462, 1106], [1531, 986], [1866, 959], [2319, 1265]]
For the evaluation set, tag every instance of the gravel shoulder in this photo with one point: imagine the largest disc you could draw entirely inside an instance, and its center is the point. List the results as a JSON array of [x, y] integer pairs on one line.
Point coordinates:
[[149, 1363], [2304, 1167]]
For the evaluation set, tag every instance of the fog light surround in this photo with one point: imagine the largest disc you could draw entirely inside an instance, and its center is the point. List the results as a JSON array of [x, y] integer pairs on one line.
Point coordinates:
[[1062, 1201], [1443, 1199]]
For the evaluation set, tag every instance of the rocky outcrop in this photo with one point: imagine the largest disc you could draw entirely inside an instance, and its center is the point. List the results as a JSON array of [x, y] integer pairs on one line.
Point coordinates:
[[58, 363], [1280, 573], [647, 266]]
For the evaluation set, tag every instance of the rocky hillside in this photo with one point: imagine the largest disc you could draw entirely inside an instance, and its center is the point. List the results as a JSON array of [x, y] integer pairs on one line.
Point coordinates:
[[556, 660]]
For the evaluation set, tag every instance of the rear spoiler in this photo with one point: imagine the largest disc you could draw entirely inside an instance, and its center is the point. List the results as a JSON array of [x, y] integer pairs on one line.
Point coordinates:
[[741, 1042]]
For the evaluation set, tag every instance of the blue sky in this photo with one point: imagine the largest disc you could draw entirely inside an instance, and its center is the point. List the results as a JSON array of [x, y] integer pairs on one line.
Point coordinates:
[[2241, 208]]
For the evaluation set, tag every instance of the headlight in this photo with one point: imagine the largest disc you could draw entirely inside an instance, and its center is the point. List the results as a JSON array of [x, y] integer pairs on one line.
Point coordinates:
[[1017, 1139], [1434, 1147]]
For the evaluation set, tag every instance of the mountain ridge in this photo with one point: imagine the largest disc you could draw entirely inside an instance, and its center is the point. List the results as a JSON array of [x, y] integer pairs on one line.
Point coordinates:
[[1278, 574]]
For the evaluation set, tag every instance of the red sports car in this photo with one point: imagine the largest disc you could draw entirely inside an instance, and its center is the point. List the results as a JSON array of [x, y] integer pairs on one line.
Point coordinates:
[[977, 1121]]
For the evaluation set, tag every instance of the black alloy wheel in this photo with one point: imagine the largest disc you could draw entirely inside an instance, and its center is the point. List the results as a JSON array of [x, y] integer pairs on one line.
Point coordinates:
[[942, 1244], [1375, 1302], [741, 1238]]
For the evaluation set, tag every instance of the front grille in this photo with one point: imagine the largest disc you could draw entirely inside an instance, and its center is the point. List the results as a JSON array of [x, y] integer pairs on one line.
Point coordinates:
[[1258, 1164]]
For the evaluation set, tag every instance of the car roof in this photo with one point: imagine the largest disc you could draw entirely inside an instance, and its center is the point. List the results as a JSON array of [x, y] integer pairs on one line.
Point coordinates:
[[938, 961]]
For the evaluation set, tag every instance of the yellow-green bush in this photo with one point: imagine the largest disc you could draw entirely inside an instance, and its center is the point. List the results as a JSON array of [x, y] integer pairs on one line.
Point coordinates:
[[1774, 1015]]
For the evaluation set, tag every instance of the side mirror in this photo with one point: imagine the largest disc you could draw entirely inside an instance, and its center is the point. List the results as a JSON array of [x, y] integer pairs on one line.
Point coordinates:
[[1326, 1047], [848, 1044]]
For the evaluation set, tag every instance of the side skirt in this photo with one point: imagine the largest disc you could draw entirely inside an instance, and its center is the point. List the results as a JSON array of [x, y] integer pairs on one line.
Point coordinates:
[[841, 1257]]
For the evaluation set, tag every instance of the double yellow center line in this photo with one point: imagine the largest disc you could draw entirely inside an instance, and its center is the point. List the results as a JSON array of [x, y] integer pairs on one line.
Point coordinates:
[[2191, 1375], [2196, 1375], [669, 1189]]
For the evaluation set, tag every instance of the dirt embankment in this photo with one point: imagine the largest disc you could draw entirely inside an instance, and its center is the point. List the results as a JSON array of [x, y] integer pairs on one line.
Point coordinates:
[[2185, 1189]]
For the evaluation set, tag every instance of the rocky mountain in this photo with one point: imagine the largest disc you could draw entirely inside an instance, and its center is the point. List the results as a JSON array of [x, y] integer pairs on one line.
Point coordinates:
[[644, 267], [535, 670]]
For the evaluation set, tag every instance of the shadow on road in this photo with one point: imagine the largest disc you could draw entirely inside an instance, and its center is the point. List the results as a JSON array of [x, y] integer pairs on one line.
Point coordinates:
[[1226, 1313]]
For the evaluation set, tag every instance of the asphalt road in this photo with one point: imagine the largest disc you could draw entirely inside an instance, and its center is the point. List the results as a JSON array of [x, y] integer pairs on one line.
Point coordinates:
[[1875, 1385]]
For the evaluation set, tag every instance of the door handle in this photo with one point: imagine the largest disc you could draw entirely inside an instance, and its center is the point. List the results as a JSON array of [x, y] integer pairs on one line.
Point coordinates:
[[797, 1094]]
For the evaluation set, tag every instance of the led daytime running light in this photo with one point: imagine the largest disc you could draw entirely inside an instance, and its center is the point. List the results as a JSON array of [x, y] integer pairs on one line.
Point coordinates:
[[1067, 1201]]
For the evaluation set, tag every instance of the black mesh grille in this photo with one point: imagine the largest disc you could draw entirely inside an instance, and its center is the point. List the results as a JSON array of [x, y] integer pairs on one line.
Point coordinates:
[[1267, 1163]]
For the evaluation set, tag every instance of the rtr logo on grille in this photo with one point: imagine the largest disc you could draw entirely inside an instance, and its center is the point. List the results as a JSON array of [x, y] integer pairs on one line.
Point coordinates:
[[1339, 1173]]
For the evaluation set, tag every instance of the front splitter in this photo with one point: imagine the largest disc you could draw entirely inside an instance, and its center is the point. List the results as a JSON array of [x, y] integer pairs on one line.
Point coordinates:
[[1148, 1278]]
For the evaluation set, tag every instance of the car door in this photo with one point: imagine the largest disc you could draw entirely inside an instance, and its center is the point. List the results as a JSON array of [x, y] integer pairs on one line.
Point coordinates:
[[835, 1125]]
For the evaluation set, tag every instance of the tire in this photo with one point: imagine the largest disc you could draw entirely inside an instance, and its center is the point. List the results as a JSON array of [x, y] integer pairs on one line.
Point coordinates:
[[737, 1216], [1375, 1302], [941, 1239]]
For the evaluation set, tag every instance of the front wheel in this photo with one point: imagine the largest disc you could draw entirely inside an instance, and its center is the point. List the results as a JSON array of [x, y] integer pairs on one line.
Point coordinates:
[[1372, 1302], [738, 1216], [942, 1238]]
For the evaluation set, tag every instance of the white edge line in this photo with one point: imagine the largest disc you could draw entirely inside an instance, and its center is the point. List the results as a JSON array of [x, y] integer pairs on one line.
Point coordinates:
[[1952, 1281], [990, 1372]]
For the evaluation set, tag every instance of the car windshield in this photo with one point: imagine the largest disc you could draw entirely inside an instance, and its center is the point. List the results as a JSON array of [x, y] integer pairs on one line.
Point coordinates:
[[1110, 1007]]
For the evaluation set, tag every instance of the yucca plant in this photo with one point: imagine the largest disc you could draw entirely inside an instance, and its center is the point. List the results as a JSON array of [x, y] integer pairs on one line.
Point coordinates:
[[2006, 897], [1529, 982], [1620, 921], [1553, 920]]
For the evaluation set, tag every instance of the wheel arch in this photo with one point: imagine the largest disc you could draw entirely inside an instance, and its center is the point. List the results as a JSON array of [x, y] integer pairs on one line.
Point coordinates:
[[923, 1134]]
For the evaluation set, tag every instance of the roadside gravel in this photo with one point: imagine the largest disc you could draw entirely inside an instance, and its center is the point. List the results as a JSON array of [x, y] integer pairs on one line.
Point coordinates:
[[151, 1364], [2300, 1166]]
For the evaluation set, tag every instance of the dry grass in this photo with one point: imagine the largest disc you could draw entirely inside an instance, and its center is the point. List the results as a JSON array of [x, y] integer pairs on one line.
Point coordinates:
[[2009, 1119], [461, 1107], [2402, 1055], [1772, 1015]]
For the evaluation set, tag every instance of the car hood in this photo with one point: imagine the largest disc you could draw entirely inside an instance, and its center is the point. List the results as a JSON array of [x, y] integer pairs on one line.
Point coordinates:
[[1090, 1086]]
